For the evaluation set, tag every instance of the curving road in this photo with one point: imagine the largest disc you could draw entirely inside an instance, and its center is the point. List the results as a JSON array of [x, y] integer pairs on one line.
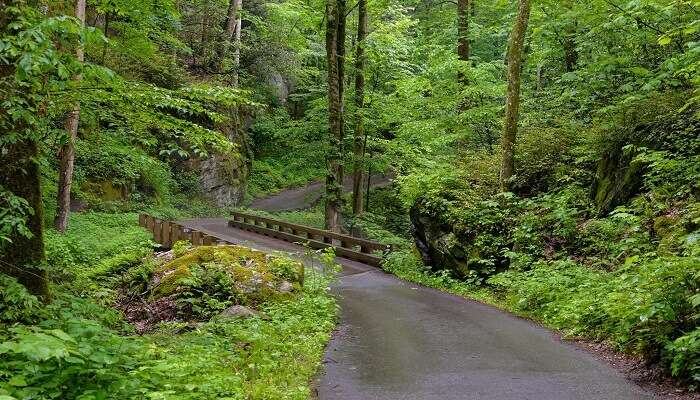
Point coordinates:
[[308, 196], [401, 341]]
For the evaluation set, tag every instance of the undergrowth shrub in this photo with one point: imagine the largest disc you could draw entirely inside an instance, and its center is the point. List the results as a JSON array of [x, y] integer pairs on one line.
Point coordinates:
[[643, 307], [94, 244]]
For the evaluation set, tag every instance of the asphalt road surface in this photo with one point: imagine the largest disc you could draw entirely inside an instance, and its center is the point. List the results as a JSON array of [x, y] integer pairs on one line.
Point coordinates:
[[401, 341], [307, 196]]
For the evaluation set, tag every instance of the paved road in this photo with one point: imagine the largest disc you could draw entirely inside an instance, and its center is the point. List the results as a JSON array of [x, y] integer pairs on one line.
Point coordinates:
[[307, 196], [401, 341]]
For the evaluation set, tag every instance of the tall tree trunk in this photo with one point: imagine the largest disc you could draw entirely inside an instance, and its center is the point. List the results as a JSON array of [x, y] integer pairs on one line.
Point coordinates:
[[237, 46], [23, 256], [229, 36], [569, 40], [359, 139], [335, 33], [463, 50], [510, 126], [67, 152]]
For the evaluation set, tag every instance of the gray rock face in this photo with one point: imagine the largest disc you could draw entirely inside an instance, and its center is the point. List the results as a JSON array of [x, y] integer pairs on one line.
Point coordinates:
[[238, 312], [437, 243], [223, 181], [223, 177]]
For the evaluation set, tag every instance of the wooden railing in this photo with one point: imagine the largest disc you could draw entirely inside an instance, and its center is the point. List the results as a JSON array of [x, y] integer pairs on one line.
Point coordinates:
[[365, 251], [166, 233]]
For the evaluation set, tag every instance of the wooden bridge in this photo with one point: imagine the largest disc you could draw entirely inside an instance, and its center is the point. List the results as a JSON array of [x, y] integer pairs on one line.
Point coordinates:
[[166, 233]]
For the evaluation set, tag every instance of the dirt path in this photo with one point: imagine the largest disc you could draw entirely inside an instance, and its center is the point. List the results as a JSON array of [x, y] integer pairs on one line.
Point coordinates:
[[307, 196], [398, 340]]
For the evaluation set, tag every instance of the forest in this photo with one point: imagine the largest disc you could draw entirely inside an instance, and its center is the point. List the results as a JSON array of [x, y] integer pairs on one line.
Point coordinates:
[[538, 156]]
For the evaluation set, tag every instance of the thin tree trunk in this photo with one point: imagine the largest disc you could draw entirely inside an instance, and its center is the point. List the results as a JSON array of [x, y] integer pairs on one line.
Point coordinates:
[[463, 50], [237, 46], [230, 25], [510, 126], [360, 138], [67, 152], [335, 33]]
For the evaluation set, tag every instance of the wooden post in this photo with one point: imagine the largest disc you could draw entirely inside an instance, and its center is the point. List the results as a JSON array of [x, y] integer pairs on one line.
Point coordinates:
[[176, 233], [157, 231], [166, 234], [365, 250], [197, 238], [207, 240], [142, 220]]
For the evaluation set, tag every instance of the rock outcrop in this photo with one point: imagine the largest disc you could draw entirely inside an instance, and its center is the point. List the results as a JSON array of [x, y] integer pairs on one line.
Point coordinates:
[[618, 178], [436, 243]]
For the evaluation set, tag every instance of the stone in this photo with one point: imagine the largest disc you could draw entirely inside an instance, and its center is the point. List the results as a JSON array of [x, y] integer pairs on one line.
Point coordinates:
[[618, 178], [443, 248], [436, 243], [238, 312], [223, 181], [285, 287]]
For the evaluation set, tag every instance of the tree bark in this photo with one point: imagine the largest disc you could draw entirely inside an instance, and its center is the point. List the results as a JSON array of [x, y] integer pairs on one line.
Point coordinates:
[[237, 46], [569, 41], [463, 45], [335, 33], [232, 22], [359, 139], [22, 258], [510, 126], [67, 152]]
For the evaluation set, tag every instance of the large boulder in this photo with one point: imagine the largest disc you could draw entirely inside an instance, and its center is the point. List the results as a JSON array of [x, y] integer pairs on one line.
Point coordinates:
[[619, 177], [223, 179], [656, 126], [206, 281], [437, 244]]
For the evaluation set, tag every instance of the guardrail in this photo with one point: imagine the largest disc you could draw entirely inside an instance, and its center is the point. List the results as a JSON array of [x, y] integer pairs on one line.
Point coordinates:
[[365, 251], [166, 233]]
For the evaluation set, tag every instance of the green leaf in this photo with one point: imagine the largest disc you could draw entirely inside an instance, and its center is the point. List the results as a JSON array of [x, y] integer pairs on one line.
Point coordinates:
[[18, 380], [664, 40]]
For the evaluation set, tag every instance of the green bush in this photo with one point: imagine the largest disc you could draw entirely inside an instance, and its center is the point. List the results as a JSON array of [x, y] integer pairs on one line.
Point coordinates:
[[94, 244], [643, 307], [107, 160], [16, 303]]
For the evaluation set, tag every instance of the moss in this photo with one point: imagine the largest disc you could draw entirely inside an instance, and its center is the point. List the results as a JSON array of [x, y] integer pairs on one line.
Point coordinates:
[[663, 225], [170, 284], [254, 275]]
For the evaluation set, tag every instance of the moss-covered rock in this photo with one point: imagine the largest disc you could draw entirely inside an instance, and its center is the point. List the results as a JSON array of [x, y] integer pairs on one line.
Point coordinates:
[[618, 178], [204, 281], [250, 276]]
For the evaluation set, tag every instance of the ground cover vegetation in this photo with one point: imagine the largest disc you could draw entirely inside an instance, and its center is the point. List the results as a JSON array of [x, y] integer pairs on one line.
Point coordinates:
[[188, 324], [546, 157]]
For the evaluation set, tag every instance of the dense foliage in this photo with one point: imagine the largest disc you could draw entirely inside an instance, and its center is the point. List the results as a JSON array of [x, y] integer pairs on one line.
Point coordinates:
[[189, 107], [79, 346]]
